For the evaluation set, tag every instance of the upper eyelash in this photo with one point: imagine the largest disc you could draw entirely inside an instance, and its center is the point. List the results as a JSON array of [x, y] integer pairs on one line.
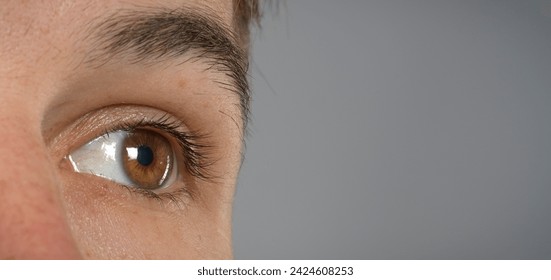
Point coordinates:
[[196, 160]]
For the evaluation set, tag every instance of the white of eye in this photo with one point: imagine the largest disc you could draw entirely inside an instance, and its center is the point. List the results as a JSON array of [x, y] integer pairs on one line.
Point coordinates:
[[103, 157]]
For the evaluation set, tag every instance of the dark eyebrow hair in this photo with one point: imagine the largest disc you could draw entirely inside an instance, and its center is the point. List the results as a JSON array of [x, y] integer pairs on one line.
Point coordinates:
[[156, 34]]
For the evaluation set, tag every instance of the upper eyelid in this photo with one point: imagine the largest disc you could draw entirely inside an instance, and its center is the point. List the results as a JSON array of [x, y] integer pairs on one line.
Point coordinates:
[[99, 121]]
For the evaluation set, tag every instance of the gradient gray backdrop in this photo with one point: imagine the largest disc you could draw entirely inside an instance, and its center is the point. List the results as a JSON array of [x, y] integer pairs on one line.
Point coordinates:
[[399, 129]]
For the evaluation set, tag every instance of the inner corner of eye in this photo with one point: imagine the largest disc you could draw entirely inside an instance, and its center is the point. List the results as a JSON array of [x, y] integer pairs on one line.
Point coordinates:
[[140, 158]]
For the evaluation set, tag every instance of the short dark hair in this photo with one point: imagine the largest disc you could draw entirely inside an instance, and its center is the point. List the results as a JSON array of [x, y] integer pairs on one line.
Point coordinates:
[[246, 12]]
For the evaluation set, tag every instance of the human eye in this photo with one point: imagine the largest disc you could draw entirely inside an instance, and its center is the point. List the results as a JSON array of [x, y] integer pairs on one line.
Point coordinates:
[[149, 154], [139, 158]]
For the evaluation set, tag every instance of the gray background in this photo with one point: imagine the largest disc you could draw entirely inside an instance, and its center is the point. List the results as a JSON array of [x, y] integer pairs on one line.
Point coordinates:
[[390, 129]]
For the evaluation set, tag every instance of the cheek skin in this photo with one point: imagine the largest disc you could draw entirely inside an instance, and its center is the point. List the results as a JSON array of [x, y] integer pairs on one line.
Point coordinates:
[[109, 222], [32, 219]]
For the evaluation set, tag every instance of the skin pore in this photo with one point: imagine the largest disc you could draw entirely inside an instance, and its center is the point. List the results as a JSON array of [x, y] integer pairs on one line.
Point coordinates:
[[75, 71]]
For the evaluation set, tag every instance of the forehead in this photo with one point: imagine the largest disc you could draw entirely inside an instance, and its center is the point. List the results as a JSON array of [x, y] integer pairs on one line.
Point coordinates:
[[59, 9], [46, 31], [56, 21]]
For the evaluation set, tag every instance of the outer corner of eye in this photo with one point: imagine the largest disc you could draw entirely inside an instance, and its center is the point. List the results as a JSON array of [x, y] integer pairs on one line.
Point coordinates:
[[142, 159]]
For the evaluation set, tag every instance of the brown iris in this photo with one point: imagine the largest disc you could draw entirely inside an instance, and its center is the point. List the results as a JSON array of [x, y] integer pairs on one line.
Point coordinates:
[[147, 158]]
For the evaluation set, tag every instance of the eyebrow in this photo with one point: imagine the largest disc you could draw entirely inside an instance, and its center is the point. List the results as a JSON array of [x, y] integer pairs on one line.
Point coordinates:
[[155, 34]]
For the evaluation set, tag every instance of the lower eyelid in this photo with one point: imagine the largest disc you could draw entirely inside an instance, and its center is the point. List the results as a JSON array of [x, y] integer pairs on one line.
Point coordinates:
[[94, 190]]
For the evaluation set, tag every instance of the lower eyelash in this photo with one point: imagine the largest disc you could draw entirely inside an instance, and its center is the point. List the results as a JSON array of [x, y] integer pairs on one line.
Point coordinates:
[[180, 197]]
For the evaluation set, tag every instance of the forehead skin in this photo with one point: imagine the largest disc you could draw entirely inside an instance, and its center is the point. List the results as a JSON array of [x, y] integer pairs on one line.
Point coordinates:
[[48, 212], [62, 25]]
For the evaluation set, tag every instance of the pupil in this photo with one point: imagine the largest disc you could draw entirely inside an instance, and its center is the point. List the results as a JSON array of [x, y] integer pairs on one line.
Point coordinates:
[[145, 155]]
